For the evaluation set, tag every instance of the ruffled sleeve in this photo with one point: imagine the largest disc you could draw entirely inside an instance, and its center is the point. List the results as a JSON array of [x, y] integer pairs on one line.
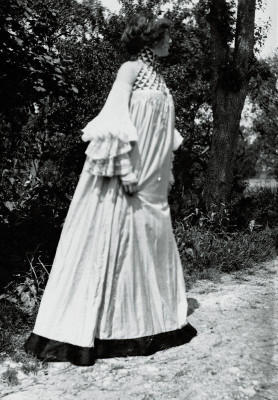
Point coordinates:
[[111, 135]]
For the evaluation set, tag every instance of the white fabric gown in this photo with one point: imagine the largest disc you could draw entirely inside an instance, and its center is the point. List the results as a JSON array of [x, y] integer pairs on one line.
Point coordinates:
[[117, 272]]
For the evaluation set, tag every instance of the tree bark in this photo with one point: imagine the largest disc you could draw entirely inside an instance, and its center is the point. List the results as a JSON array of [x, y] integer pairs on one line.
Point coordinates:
[[231, 75]]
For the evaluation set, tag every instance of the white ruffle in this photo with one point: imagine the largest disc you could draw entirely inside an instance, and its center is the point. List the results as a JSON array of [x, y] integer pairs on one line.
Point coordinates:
[[119, 165], [112, 132], [108, 147]]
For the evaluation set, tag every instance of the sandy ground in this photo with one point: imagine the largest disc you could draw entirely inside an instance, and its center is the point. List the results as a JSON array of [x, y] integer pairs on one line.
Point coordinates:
[[234, 356]]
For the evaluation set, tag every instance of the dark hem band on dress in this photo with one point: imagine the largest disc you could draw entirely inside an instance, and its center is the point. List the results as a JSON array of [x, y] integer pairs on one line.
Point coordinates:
[[52, 350]]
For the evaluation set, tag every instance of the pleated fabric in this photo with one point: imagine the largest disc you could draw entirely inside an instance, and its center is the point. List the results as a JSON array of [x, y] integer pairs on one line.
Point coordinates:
[[117, 278]]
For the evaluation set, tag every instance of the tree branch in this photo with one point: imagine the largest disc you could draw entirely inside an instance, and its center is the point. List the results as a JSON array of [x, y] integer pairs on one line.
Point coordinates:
[[219, 28], [244, 37]]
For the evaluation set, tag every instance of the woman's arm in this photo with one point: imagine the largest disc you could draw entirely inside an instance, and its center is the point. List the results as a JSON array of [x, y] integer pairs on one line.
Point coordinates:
[[112, 133], [127, 74]]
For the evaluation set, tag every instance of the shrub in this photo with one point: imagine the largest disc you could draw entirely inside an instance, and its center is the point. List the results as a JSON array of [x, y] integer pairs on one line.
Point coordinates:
[[10, 376], [205, 253], [240, 235], [260, 205], [19, 305], [255, 206]]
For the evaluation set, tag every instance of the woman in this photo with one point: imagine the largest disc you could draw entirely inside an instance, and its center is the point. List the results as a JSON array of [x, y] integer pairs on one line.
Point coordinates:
[[116, 287]]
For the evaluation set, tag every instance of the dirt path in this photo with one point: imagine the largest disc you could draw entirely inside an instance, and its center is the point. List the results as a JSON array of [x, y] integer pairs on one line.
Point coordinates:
[[234, 356]]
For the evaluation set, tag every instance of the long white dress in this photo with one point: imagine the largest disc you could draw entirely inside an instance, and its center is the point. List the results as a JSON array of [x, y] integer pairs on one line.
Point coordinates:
[[116, 287]]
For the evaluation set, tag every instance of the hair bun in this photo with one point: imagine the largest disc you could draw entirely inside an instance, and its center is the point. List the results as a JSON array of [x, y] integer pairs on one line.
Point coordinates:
[[143, 30]]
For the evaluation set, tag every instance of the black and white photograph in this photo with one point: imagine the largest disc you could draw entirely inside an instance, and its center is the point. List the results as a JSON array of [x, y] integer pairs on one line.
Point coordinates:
[[139, 200]]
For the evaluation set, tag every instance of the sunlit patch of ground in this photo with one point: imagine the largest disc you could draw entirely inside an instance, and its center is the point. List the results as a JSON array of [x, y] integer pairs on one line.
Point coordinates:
[[257, 183], [234, 356]]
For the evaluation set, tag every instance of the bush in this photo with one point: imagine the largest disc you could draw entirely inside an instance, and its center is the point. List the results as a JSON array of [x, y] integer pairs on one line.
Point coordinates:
[[259, 205], [254, 206], [19, 305], [10, 377], [14, 323], [242, 234], [204, 253]]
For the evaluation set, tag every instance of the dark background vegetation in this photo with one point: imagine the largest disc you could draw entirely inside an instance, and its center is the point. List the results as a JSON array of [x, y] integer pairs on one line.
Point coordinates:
[[58, 62]]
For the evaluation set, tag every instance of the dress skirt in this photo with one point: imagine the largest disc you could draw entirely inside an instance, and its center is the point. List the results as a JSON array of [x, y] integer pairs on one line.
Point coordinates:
[[116, 287]]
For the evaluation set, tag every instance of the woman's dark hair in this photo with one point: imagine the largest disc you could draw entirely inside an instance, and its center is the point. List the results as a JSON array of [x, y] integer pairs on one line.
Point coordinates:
[[144, 30]]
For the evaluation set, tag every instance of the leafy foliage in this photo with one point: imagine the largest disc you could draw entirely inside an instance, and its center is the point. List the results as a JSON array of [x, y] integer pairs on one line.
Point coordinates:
[[264, 95], [30, 65], [45, 109], [245, 234], [204, 250], [58, 62]]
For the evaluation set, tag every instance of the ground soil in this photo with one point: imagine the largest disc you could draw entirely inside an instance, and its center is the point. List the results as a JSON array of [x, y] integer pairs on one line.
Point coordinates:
[[234, 356]]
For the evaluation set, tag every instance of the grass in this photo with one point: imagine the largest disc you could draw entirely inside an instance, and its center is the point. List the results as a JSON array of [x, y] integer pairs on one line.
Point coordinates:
[[244, 235], [206, 254], [25, 363], [10, 377], [17, 327], [18, 308]]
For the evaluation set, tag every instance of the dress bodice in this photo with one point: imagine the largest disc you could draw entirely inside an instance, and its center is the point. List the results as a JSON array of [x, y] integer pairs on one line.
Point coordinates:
[[148, 77]]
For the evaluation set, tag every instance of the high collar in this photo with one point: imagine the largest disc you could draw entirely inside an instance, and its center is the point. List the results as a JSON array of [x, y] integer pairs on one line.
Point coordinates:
[[147, 56]]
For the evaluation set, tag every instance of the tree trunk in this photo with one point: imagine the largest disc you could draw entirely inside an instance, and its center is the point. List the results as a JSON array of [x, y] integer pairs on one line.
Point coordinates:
[[231, 75]]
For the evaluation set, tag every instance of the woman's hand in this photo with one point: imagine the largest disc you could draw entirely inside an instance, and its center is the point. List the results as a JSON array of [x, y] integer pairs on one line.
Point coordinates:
[[130, 188], [129, 183]]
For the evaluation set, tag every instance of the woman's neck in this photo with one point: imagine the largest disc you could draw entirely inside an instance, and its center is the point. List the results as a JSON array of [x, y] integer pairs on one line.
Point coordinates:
[[147, 56]]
